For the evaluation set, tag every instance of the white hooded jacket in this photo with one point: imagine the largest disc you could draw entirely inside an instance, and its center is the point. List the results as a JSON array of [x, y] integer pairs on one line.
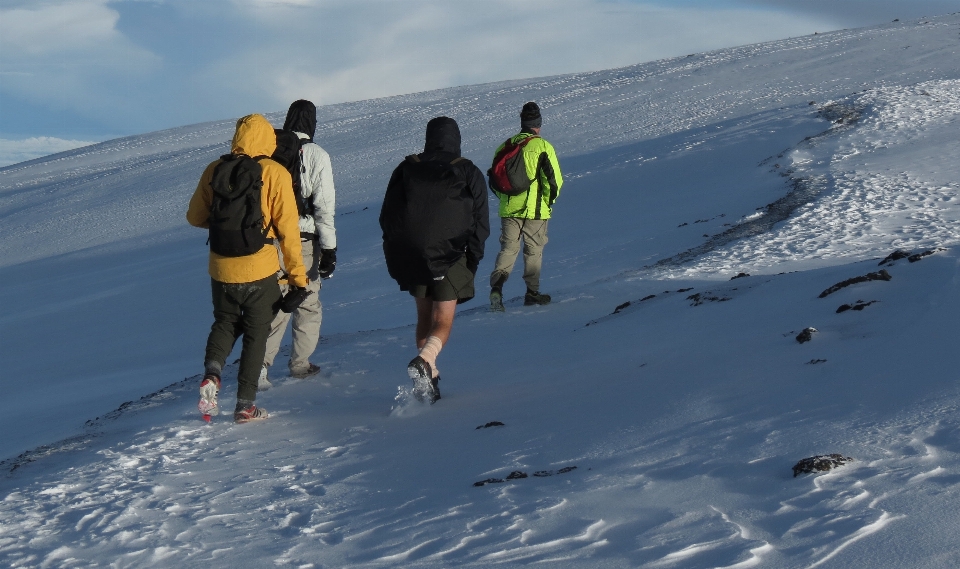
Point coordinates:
[[316, 185]]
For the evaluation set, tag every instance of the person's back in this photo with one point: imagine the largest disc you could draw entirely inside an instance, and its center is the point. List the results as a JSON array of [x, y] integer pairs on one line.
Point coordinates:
[[435, 222], [254, 137], [244, 287], [316, 183], [318, 242], [540, 160], [524, 216], [431, 215]]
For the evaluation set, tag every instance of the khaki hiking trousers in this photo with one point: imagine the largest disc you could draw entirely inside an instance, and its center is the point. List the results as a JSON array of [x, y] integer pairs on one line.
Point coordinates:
[[534, 234], [306, 318]]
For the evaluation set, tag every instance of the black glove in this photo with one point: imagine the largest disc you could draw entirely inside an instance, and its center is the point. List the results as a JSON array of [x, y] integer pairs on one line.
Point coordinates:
[[328, 263], [294, 297], [472, 263]]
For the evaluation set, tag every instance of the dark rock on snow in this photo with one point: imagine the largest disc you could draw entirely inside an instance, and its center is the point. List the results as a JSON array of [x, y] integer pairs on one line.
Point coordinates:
[[859, 305], [699, 298], [918, 256], [519, 474], [820, 463], [895, 256], [908, 255], [806, 335], [881, 275]]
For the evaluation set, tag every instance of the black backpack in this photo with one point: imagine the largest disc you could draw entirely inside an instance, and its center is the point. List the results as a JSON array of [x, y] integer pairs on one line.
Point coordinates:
[[508, 174], [289, 154], [236, 218]]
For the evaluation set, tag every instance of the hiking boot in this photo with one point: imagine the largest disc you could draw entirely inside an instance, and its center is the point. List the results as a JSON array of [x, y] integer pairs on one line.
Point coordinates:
[[496, 300], [419, 368], [435, 393], [533, 298], [209, 389], [424, 387], [247, 411], [312, 369], [263, 383]]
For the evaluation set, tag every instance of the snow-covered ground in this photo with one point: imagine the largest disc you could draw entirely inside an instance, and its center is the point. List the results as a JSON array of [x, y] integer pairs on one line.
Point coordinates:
[[662, 401]]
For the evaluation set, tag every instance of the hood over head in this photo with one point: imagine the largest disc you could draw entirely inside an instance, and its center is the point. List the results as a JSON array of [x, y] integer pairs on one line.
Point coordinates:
[[443, 135], [302, 117], [254, 137]]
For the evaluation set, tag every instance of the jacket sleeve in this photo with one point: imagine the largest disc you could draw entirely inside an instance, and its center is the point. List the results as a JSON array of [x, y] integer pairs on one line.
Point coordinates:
[[198, 212], [318, 187], [498, 195], [391, 201], [551, 171], [285, 219], [481, 219]]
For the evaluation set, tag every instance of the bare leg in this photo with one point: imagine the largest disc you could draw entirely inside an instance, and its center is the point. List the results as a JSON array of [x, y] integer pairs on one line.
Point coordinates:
[[434, 318]]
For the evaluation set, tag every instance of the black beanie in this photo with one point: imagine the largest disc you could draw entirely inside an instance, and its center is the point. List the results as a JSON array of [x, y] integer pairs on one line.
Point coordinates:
[[530, 116]]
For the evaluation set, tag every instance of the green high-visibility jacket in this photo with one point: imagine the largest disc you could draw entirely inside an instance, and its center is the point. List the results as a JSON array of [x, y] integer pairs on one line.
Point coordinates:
[[544, 170]]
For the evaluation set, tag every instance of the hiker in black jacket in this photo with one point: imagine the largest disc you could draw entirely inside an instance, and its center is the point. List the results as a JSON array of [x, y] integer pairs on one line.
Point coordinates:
[[435, 222]]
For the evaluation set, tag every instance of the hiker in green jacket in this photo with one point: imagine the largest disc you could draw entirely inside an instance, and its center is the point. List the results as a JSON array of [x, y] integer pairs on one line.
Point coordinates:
[[525, 216]]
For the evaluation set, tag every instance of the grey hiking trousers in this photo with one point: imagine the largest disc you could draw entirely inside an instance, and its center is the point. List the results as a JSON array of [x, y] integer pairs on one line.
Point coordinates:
[[534, 234], [306, 318]]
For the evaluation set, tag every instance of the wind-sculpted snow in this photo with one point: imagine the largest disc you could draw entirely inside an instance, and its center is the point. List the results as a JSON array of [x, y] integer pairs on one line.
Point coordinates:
[[686, 364], [880, 185], [333, 479]]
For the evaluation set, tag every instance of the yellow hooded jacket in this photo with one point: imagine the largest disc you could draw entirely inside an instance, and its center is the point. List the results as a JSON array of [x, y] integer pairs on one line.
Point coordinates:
[[255, 137]]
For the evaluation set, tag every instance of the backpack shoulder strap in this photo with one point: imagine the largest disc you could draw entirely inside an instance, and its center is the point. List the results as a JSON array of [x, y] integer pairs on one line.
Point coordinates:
[[415, 158]]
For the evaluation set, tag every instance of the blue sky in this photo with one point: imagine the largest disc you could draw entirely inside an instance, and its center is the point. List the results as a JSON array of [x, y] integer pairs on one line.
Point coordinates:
[[89, 70]]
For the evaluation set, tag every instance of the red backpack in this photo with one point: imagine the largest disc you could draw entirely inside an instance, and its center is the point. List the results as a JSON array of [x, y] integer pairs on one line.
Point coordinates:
[[508, 174]]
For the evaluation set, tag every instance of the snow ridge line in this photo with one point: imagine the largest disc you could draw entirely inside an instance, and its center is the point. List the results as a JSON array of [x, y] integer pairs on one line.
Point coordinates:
[[803, 190], [93, 427]]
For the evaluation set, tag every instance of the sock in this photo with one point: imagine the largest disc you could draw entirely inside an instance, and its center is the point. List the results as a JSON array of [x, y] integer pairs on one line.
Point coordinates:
[[430, 351]]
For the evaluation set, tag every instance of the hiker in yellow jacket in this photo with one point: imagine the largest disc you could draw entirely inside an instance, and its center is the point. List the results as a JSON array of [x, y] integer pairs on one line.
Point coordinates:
[[243, 262]]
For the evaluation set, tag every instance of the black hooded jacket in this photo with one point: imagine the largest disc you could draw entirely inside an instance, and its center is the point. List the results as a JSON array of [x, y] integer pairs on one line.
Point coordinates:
[[302, 117], [434, 211]]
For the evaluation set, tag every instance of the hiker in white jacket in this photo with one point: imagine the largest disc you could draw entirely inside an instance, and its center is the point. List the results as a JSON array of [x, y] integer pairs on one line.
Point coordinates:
[[318, 238]]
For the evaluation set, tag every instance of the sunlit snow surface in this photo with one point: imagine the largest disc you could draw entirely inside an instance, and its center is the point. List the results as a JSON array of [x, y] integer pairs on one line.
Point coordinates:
[[680, 396]]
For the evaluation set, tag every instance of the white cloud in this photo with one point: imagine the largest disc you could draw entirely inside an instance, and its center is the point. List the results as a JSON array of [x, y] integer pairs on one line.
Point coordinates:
[[68, 55], [57, 28], [14, 151], [276, 3], [378, 48], [132, 66]]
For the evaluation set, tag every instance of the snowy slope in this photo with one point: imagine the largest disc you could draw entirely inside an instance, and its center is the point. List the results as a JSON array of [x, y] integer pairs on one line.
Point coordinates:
[[681, 397]]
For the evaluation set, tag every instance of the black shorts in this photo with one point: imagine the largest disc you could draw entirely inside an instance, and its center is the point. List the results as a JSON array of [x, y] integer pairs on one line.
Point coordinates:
[[456, 285]]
